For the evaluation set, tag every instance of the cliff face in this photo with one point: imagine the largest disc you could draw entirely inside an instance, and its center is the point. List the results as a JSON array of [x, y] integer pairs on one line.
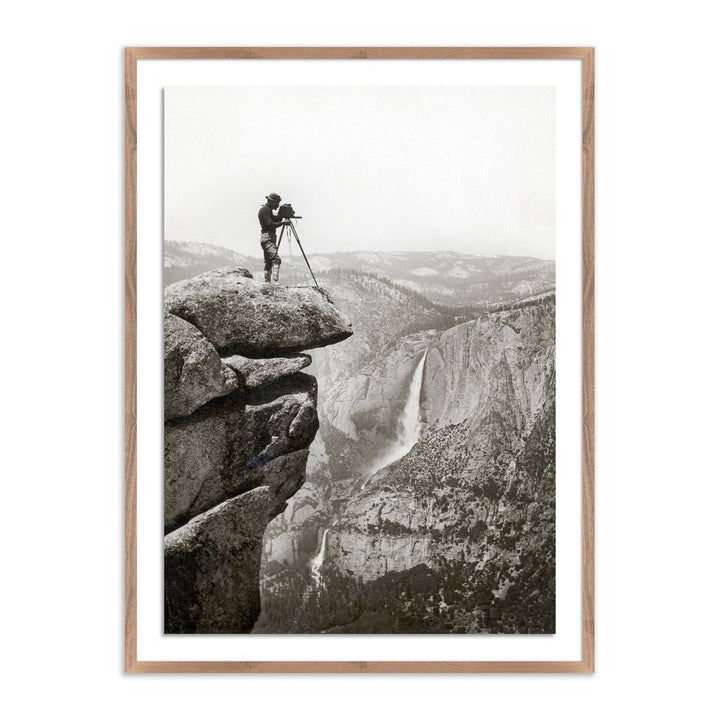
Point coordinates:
[[484, 461], [239, 419], [498, 366], [466, 518], [501, 361]]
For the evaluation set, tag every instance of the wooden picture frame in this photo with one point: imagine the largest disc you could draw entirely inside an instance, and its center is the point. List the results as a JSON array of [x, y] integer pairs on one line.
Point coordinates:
[[135, 55]]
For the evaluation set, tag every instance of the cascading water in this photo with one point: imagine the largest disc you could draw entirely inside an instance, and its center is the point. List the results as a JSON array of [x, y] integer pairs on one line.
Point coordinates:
[[410, 425], [317, 562], [408, 435], [319, 559]]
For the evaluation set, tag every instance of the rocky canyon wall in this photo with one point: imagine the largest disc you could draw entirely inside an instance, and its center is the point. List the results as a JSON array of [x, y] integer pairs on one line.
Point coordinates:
[[485, 459], [488, 387], [239, 419]]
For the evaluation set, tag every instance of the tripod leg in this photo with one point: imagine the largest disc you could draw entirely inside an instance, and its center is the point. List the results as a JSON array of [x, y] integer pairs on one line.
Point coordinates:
[[297, 240]]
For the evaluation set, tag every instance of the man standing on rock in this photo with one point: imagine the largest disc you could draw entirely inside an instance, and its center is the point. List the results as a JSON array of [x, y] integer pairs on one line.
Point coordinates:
[[268, 240]]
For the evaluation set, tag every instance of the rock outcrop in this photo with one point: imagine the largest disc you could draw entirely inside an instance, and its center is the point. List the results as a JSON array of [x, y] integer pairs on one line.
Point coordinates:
[[194, 373], [241, 316], [264, 371], [215, 556], [240, 418]]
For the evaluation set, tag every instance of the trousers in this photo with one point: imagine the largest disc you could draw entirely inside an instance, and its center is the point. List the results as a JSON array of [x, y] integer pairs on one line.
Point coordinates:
[[270, 253]]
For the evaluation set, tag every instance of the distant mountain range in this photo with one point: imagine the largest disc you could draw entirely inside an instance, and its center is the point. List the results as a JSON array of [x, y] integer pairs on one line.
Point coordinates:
[[446, 277], [185, 260]]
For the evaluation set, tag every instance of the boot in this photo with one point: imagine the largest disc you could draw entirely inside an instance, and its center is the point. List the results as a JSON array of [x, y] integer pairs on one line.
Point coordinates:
[[276, 272]]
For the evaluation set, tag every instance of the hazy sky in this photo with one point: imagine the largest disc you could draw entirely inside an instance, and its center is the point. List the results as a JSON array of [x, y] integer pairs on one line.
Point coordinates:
[[470, 169]]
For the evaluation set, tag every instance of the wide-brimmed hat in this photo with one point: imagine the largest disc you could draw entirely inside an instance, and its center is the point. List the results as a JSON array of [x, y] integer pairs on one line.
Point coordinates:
[[273, 196]]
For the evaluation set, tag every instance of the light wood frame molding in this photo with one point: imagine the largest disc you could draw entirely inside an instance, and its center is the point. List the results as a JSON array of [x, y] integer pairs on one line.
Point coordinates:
[[587, 57]]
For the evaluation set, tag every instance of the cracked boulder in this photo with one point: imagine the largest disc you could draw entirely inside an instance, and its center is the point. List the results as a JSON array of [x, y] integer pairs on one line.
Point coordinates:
[[235, 444], [194, 373], [212, 567], [260, 372]]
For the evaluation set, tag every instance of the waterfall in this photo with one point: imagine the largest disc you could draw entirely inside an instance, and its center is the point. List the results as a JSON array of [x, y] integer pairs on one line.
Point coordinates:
[[408, 435], [410, 424], [317, 562]]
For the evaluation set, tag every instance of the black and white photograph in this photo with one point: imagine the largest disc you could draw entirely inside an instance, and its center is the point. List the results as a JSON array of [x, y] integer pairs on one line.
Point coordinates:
[[359, 359]]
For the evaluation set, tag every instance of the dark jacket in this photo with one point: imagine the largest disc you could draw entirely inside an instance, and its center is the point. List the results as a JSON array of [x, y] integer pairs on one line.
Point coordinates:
[[268, 221]]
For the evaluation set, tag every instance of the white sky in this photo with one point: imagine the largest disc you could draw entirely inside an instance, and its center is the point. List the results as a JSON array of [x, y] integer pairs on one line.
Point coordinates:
[[470, 169]]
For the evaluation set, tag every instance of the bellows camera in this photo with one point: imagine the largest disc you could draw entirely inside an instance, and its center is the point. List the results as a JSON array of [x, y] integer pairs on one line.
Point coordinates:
[[285, 212]]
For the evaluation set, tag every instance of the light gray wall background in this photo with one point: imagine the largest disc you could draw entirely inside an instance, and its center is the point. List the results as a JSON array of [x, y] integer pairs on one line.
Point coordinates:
[[657, 387]]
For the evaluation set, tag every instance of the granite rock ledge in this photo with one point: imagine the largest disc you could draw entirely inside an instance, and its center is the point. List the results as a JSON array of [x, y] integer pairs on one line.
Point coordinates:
[[239, 421]]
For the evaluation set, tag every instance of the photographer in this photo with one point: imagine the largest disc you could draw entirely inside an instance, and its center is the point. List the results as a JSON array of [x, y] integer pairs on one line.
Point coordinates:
[[269, 222]]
